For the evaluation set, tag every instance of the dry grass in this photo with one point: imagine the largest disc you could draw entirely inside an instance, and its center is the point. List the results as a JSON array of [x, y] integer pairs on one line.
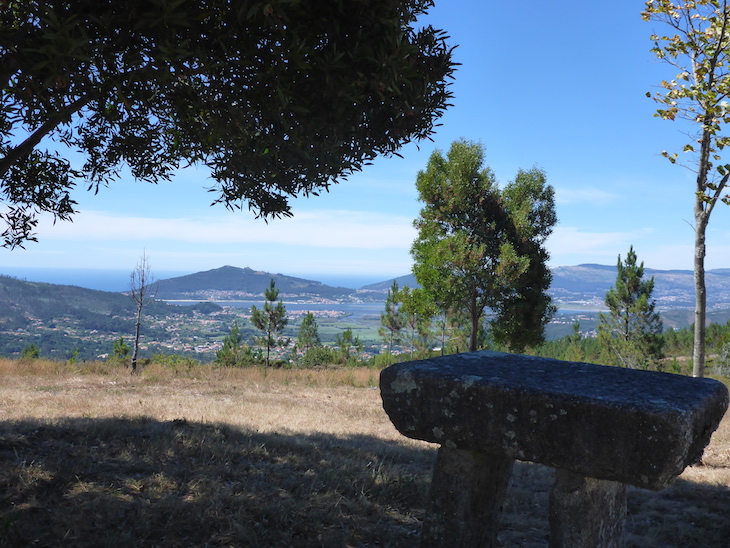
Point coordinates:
[[91, 456]]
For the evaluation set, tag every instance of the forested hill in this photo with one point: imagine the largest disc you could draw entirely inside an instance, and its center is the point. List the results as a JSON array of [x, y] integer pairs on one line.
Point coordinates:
[[22, 303], [229, 282]]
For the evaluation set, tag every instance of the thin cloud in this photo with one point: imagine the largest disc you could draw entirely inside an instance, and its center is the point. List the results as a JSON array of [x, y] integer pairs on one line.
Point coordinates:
[[347, 229], [569, 244], [564, 196]]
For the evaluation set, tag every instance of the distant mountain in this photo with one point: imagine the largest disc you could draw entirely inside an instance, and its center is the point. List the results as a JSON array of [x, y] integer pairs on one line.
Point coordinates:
[[574, 287], [65, 321], [586, 284], [23, 303], [380, 289], [233, 283]]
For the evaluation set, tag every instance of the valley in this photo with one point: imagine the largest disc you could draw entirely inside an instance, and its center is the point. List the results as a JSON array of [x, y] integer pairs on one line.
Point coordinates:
[[194, 312]]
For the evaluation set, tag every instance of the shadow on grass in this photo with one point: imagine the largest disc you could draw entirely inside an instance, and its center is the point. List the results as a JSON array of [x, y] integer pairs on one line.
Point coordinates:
[[133, 482], [142, 482], [687, 513]]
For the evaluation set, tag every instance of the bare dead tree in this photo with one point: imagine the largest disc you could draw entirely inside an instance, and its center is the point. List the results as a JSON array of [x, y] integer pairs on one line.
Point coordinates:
[[142, 290]]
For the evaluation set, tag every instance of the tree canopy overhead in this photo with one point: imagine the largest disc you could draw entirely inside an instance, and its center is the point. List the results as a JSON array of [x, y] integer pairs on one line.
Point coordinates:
[[278, 98]]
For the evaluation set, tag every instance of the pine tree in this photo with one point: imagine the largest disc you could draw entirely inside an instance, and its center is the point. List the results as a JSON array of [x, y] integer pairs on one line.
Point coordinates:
[[121, 348], [308, 336], [271, 320], [350, 346], [391, 321], [229, 355], [632, 330]]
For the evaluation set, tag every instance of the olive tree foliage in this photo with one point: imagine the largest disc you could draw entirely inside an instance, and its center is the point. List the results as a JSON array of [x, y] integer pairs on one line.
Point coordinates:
[[697, 44], [480, 247], [277, 98], [632, 329]]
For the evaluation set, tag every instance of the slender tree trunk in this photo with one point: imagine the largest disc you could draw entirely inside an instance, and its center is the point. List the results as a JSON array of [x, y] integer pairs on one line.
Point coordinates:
[[142, 293], [475, 315], [702, 217], [135, 351], [698, 353], [443, 334], [268, 347]]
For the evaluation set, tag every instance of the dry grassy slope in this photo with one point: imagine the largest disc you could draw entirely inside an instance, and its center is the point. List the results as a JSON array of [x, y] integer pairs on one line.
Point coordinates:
[[305, 458]]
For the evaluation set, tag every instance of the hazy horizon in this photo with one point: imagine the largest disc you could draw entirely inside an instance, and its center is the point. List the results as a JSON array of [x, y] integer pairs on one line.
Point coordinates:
[[117, 280]]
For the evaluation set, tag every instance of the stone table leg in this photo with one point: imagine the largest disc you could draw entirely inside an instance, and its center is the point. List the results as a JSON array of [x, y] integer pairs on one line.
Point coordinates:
[[586, 512], [467, 492]]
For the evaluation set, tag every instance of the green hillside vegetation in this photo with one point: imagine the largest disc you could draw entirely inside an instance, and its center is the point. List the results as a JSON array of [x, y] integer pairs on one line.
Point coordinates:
[[676, 349], [65, 322]]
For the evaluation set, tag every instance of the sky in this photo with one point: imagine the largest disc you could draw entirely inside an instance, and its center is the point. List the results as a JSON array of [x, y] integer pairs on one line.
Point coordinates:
[[557, 85]]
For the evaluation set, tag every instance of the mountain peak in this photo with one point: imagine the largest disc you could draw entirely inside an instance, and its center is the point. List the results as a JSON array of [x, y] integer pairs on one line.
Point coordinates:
[[231, 283]]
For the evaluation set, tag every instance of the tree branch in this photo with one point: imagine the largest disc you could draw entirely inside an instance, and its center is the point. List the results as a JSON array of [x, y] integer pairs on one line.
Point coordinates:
[[27, 146], [718, 191]]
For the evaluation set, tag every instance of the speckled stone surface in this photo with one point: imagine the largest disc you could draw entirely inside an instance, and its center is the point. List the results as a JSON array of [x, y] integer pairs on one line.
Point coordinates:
[[637, 427]]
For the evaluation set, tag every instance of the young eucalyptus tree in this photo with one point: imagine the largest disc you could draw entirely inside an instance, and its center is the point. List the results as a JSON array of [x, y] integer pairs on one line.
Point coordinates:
[[142, 290], [697, 45], [479, 247]]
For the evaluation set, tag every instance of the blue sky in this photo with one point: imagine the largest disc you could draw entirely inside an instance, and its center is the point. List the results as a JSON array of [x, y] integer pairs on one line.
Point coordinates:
[[561, 85]]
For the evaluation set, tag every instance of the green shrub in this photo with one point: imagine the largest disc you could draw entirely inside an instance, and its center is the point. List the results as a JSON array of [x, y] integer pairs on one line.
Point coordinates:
[[30, 352], [175, 361], [384, 360], [320, 355]]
